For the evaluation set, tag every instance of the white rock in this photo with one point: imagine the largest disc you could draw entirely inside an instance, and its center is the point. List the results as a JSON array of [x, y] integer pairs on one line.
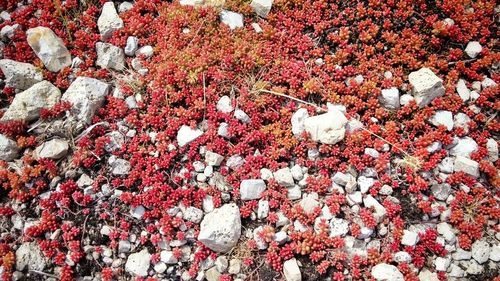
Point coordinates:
[[297, 173], [232, 19], [456, 271], [492, 147], [353, 125], [49, 48], [145, 51], [30, 256], [213, 159], [123, 7], [488, 82], [252, 189], [284, 177], [280, 237], [409, 238], [467, 166], [461, 255], [235, 161], [294, 193], [8, 149], [256, 27], [371, 202], [495, 253], [168, 257], [447, 232], [442, 117], [298, 119], [86, 95], [406, 99], [159, 267], [138, 263], [138, 212], [474, 95], [8, 31], [446, 165], [263, 209], [261, 7], [309, 203], [441, 191], [401, 257], [109, 56], [186, 135], [338, 227], [291, 270], [208, 204], [340, 178], [372, 152], [224, 104], [241, 115], [473, 49], [465, 146], [109, 21], [53, 149], [26, 105], [120, 167], [385, 190], [221, 229], [427, 275], [124, 246], [354, 198], [442, 264], [193, 214], [261, 244], [222, 130], [20, 75], [426, 86], [327, 128], [386, 272], [481, 251], [461, 120], [390, 98], [462, 90], [433, 147], [365, 183], [132, 45]]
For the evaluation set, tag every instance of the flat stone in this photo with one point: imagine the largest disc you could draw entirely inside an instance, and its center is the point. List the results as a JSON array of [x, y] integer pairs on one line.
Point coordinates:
[[49, 48], [467, 166], [386, 272], [20, 75], [53, 149], [426, 86], [464, 147]]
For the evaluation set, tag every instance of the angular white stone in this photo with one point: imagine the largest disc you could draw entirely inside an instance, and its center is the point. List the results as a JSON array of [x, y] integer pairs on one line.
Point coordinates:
[[467, 166], [29, 255], [371, 202], [193, 214], [213, 159], [49, 48], [492, 147], [298, 119], [327, 128], [284, 177], [488, 82], [386, 272], [465, 146], [125, 6], [186, 135], [495, 253], [390, 98], [409, 238], [473, 49], [291, 270], [221, 229], [406, 99], [447, 232], [20, 75], [132, 44], [309, 203], [252, 189], [168, 257], [145, 51], [26, 105], [294, 193], [138, 263], [481, 251], [109, 21], [86, 95], [365, 183], [426, 86], [232, 19], [461, 120], [109, 56], [338, 227], [442, 117], [261, 7], [401, 257], [263, 209], [53, 149], [441, 263]]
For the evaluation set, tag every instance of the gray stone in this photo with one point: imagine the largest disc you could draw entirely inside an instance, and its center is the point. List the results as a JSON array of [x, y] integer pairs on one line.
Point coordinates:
[[168, 257], [86, 95], [467, 166], [120, 167], [49, 48], [30, 256], [261, 7], [20, 75], [473, 49], [291, 270], [138, 263], [446, 165], [327, 128], [124, 246], [109, 56], [444, 118], [401, 257], [193, 214], [441, 191], [53, 149], [8, 149], [220, 230], [284, 177], [464, 147], [26, 105], [492, 147], [389, 98], [109, 21], [426, 86], [252, 189], [481, 251]]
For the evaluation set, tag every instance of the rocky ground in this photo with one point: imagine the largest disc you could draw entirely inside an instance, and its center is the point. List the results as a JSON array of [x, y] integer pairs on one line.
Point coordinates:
[[249, 140]]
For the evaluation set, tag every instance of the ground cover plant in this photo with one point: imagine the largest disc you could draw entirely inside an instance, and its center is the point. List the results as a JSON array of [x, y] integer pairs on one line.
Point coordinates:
[[249, 140]]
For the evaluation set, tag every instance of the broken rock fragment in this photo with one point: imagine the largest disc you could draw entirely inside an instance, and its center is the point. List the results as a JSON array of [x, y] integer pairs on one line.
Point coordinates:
[[20, 75], [49, 48], [252, 189], [109, 56], [426, 86], [327, 128], [220, 230], [108, 21], [53, 149], [261, 7], [232, 19], [8, 149]]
